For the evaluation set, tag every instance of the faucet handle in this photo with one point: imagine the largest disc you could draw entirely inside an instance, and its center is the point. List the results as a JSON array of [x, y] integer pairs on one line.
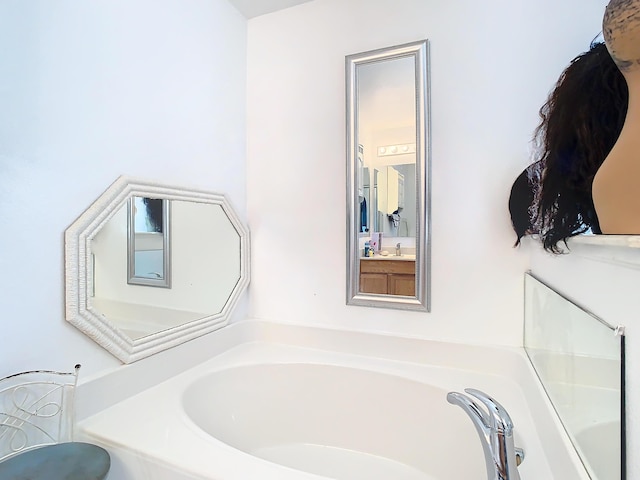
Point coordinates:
[[499, 416], [471, 407]]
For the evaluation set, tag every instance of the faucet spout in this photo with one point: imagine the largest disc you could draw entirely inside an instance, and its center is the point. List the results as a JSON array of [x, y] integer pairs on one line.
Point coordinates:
[[495, 429]]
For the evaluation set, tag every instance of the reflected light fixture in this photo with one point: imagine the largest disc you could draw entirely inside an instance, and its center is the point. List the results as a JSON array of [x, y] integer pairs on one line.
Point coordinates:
[[399, 149]]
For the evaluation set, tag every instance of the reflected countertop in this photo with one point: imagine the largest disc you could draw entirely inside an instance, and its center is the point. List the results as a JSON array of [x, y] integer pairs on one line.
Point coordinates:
[[404, 257]]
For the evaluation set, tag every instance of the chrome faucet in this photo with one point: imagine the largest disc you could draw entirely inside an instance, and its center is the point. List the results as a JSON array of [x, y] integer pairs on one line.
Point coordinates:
[[495, 428], [398, 250]]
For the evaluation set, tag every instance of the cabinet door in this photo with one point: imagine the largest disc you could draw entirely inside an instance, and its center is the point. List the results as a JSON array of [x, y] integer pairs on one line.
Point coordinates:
[[400, 190], [402, 284], [392, 190], [373, 283]]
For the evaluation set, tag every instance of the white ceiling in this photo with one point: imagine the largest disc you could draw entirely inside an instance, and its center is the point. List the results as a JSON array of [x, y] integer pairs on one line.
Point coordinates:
[[254, 8]]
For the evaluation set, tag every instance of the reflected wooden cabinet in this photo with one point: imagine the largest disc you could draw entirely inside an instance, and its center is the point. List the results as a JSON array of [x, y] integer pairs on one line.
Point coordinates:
[[389, 277]]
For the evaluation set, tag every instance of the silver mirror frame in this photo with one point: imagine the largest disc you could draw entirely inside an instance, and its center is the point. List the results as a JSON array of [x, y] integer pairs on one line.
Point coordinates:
[[79, 271], [132, 279], [421, 302]]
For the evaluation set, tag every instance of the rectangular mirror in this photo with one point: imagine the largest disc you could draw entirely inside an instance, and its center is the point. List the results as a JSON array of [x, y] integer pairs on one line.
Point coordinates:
[[579, 359], [388, 160], [148, 246]]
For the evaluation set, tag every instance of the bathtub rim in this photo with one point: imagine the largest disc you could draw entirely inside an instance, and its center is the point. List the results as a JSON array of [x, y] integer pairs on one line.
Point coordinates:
[[558, 448], [104, 389]]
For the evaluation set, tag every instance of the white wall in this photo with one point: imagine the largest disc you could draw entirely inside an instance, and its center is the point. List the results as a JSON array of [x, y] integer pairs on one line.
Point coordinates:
[[156, 89], [89, 91], [492, 66]]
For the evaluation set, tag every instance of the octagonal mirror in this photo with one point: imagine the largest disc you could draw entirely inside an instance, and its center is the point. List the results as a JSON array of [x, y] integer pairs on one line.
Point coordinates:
[[149, 266]]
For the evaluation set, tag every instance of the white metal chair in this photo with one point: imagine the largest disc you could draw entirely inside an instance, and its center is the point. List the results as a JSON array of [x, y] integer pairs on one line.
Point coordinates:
[[36, 430]]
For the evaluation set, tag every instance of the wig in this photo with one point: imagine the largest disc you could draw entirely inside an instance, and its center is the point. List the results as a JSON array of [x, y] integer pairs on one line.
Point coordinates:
[[522, 201], [154, 213], [580, 123]]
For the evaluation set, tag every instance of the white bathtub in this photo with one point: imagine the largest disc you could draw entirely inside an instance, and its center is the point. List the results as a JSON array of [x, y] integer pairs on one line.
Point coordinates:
[[332, 420], [311, 404]]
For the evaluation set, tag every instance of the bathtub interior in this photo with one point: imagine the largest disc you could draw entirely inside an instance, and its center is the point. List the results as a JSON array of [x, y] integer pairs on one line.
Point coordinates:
[[337, 422]]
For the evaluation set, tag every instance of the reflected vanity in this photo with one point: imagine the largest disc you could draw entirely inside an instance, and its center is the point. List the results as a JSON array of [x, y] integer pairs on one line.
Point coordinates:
[[116, 258], [579, 359], [388, 234]]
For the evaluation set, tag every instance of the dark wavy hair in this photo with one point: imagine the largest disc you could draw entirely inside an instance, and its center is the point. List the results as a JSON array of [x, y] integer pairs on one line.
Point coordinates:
[[522, 201], [154, 213], [580, 123]]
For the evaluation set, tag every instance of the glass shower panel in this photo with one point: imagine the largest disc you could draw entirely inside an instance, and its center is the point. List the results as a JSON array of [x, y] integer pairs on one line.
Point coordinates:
[[579, 359]]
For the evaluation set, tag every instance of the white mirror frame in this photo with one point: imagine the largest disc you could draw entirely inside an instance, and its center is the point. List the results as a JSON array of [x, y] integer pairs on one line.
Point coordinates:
[[79, 271], [421, 302]]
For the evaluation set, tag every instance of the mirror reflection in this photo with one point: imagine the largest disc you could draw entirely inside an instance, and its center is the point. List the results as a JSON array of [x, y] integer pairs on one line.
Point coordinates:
[[388, 234], [148, 252], [204, 243], [209, 267], [578, 358]]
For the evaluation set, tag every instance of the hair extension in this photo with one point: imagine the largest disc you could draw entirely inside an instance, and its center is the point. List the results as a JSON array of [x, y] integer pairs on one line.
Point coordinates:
[[580, 123]]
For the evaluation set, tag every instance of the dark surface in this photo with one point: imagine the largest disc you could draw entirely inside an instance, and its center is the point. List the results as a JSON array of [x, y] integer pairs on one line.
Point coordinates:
[[62, 461]]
